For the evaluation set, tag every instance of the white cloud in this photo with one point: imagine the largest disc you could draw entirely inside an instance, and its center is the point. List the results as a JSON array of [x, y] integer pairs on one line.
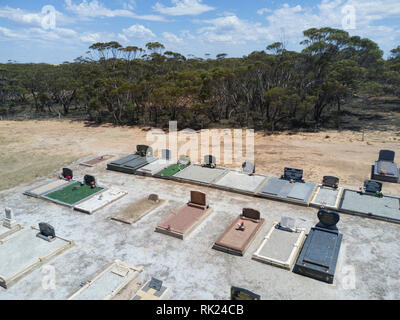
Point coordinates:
[[183, 7], [170, 37], [137, 31], [93, 9]]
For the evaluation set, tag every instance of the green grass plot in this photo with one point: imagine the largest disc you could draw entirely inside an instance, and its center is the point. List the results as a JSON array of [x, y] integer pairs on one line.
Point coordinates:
[[73, 193]]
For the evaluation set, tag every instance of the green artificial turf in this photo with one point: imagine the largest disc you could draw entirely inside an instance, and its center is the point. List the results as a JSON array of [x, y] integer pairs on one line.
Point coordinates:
[[171, 170], [71, 196]]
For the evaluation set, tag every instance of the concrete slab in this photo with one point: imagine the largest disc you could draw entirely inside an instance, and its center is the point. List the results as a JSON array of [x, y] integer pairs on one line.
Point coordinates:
[[108, 283], [46, 187], [5, 232], [100, 200], [385, 208], [148, 293], [24, 252], [154, 167], [94, 161], [240, 182], [327, 197], [200, 175], [280, 247], [385, 171], [280, 189]]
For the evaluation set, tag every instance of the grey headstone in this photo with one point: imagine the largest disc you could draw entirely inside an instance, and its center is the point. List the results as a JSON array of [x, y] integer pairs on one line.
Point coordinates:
[[9, 221], [371, 186], [9, 213], [287, 223], [47, 232], [248, 167], [155, 284], [166, 154], [243, 294], [184, 160]]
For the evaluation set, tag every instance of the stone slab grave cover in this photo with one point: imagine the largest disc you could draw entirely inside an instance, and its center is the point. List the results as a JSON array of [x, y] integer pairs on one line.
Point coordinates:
[[240, 182], [133, 162], [328, 194], [236, 240], [100, 200], [288, 189], [371, 203], [92, 162], [137, 210], [320, 252], [200, 175], [243, 294], [23, 252], [8, 225], [152, 290], [385, 169], [109, 283], [282, 244], [182, 222], [46, 187], [73, 193]]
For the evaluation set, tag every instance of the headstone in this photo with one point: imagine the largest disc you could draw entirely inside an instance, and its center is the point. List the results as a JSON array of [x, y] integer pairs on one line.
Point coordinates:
[[166, 154], [144, 150], [184, 160], [9, 221], [328, 219], [243, 294], [89, 180], [251, 214], [67, 173], [287, 223], [153, 197], [293, 174], [330, 181], [210, 161], [155, 284], [372, 187], [386, 155], [47, 232], [248, 167], [197, 197]]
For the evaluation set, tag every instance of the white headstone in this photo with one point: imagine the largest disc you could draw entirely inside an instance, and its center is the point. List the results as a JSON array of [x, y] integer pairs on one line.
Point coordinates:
[[9, 221]]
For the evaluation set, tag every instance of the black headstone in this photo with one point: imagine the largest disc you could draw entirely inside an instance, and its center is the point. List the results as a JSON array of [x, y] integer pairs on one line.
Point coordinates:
[[328, 219], [153, 197], [210, 160], [166, 154], [47, 230], [144, 150], [89, 180], [386, 155], [155, 284], [330, 181], [371, 186], [248, 167], [293, 174], [67, 173], [243, 294]]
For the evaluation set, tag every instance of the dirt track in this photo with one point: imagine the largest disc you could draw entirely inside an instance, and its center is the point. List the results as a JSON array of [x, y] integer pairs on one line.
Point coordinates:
[[31, 149]]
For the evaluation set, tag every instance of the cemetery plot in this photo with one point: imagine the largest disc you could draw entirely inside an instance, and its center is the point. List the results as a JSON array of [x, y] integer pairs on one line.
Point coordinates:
[[200, 175], [108, 283], [8, 226], [171, 170], [239, 235], [187, 218], [154, 167], [327, 197], [385, 169], [117, 164], [46, 187], [240, 182], [371, 206], [5, 232], [131, 163], [152, 290], [97, 160], [24, 252], [100, 200], [280, 247], [296, 192], [138, 210], [72, 194]]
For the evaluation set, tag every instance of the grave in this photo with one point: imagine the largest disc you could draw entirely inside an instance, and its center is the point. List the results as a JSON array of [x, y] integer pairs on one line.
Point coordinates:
[[152, 290], [243, 294], [8, 225], [319, 255], [92, 162], [239, 235], [240, 182], [290, 187], [209, 161], [167, 173], [134, 212], [108, 283], [129, 164], [248, 168], [100, 200], [282, 244], [198, 174], [73, 193], [46, 187], [23, 252], [67, 174], [328, 194], [182, 222], [385, 169], [371, 203]]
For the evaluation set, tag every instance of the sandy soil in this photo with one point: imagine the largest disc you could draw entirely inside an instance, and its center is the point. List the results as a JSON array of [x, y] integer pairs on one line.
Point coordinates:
[[31, 149]]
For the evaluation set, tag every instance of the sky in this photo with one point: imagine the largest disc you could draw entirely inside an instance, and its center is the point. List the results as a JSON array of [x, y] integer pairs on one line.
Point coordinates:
[[62, 30]]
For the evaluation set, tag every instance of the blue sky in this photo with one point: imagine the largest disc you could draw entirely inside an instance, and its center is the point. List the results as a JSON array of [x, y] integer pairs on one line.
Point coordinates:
[[61, 30]]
